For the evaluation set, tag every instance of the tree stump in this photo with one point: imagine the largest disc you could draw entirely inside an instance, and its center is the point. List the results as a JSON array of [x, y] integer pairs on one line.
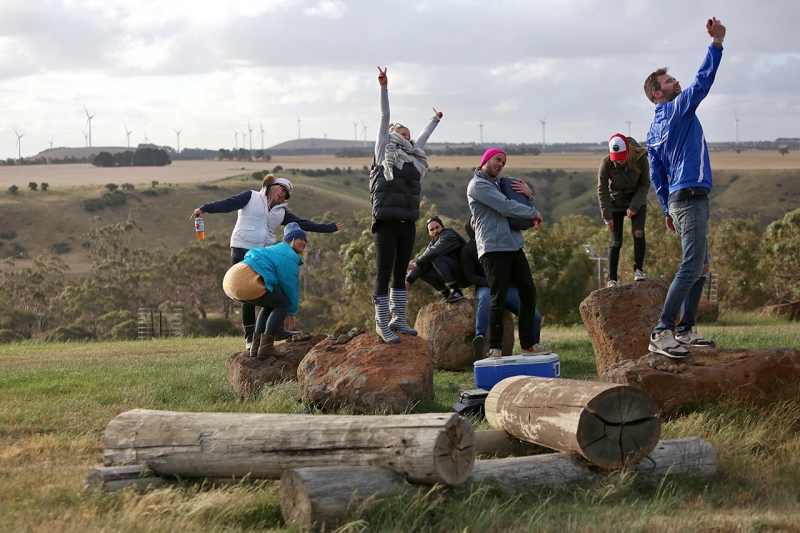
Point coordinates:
[[427, 448], [610, 425]]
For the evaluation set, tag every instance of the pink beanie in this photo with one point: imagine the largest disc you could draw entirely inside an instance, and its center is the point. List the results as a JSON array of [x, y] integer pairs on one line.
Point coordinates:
[[488, 155]]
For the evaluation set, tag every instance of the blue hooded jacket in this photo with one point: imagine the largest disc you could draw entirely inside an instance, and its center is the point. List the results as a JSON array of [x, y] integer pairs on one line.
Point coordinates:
[[675, 143], [279, 265]]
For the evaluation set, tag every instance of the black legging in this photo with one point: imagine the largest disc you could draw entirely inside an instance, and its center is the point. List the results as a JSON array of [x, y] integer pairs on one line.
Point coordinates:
[[394, 244], [501, 269], [248, 311], [639, 246]]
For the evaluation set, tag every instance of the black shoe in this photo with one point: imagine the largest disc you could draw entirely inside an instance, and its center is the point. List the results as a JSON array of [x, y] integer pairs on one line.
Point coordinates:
[[454, 296], [284, 334], [477, 347]]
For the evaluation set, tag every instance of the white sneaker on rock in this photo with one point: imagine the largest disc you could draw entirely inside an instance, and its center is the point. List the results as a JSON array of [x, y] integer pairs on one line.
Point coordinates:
[[638, 275], [536, 349], [611, 283], [665, 343], [691, 338]]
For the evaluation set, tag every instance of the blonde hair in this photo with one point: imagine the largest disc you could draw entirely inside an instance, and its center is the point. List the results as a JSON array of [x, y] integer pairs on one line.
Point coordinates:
[[396, 126], [635, 152], [268, 180]]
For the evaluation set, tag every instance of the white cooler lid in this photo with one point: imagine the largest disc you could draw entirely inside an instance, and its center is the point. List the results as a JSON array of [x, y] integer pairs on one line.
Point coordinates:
[[517, 360]]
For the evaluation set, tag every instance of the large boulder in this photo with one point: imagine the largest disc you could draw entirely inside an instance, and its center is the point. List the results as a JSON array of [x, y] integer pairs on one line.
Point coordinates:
[[710, 374], [451, 328], [247, 375], [367, 374], [620, 319]]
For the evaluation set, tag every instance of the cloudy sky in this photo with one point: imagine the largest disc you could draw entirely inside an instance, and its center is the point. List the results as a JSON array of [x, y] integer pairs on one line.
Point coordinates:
[[208, 67]]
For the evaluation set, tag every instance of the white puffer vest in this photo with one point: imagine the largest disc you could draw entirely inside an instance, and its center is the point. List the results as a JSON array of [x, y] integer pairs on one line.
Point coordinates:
[[255, 227]]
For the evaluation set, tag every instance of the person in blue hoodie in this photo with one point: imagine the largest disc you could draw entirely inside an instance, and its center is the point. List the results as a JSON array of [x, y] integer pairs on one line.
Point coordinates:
[[270, 278], [681, 174]]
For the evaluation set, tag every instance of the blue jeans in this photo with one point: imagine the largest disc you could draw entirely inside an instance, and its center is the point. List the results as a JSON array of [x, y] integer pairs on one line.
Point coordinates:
[[484, 295], [690, 217]]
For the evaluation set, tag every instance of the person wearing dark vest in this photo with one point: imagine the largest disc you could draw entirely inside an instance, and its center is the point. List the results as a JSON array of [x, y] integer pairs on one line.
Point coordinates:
[[440, 264], [398, 166], [260, 213]]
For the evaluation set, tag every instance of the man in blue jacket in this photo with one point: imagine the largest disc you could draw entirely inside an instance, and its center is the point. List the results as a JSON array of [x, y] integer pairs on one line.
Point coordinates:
[[681, 174]]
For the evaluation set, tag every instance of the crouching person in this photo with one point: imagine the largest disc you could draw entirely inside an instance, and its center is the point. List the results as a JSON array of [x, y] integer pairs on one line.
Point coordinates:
[[440, 264], [269, 278]]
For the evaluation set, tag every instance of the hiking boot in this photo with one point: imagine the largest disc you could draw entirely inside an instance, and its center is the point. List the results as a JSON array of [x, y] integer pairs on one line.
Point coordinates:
[[495, 353], [255, 342], [691, 338], [664, 343], [536, 349], [267, 348], [284, 334], [638, 275], [477, 346], [454, 296], [611, 283]]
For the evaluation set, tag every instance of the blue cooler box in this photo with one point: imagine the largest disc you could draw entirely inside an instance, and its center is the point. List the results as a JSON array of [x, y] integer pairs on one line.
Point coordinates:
[[488, 372]]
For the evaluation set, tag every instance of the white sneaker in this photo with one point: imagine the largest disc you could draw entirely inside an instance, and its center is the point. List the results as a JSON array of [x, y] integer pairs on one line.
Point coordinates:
[[611, 283], [664, 343], [638, 275], [494, 353], [691, 338], [536, 349]]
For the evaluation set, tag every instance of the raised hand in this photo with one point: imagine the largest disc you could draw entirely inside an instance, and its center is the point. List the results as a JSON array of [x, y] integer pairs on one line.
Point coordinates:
[[437, 113], [382, 78], [715, 28]]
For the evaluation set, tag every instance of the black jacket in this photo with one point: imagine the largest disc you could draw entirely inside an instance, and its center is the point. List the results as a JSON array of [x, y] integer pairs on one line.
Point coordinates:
[[396, 199]]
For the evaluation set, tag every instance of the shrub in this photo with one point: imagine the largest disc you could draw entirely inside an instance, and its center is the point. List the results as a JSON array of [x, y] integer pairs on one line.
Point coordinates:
[[126, 331], [69, 333], [7, 336], [115, 198], [13, 189], [8, 235], [127, 186], [206, 187], [112, 187], [277, 169], [60, 248], [44, 186], [149, 192], [32, 185], [103, 159], [93, 204]]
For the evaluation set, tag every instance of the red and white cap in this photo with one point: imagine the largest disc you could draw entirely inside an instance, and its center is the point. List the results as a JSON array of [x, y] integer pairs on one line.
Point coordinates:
[[618, 147]]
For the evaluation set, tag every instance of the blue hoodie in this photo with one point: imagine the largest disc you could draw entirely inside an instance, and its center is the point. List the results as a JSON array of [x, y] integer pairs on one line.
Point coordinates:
[[279, 265], [675, 143]]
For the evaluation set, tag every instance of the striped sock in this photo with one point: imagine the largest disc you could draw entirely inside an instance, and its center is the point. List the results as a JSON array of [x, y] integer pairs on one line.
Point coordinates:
[[382, 320], [397, 305]]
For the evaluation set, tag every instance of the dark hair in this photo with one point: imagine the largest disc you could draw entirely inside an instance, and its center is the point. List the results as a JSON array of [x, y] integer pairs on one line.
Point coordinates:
[[651, 84]]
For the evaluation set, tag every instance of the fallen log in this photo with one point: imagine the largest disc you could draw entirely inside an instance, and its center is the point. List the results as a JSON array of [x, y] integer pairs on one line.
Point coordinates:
[[426, 448], [115, 478], [313, 496], [499, 443], [610, 425]]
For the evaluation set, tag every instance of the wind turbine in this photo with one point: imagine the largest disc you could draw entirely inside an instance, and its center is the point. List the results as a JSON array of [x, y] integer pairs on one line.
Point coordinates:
[[85, 137], [736, 118], [145, 136], [251, 134], [236, 139], [127, 135], [89, 122], [365, 133], [178, 133], [324, 135], [544, 123], [19, 144], [262, 134], [298, 126], [628, 122], [51, 142], [355, 129], [481, 127]]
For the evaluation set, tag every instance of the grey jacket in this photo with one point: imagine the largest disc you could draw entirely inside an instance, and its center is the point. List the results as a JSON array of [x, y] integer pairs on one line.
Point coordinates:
[[383, 130], [491, 210]]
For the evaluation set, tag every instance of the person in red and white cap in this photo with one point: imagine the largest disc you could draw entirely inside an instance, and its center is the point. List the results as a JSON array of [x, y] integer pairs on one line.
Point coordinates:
[[623, 182]]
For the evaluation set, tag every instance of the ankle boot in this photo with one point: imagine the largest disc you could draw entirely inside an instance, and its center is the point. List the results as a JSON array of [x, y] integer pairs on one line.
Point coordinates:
[[284, 334], [397, 306], [382, 320], [255, 344], [267, 348]]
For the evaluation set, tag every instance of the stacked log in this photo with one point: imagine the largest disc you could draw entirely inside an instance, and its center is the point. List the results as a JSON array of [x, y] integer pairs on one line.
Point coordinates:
[[426, 448], [609, 425]]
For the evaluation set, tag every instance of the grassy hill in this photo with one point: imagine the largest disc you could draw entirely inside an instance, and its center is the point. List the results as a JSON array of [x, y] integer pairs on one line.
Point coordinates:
[[38, 220]]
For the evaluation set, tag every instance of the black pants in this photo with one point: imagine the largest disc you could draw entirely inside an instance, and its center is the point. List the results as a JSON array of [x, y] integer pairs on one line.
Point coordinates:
[[639, 246], [443, 274], [248, 311], [394, 244], [502, 268], [274, 308]]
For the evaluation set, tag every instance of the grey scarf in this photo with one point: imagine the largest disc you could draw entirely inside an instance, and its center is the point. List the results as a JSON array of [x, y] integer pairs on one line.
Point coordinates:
[[400, 151]]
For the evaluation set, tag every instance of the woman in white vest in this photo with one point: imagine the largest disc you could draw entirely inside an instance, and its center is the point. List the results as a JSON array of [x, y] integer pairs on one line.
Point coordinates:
[[260, 214]]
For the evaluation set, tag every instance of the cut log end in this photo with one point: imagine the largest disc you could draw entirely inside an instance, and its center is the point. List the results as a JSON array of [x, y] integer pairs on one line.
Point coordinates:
[[295, 500], [454, 452]]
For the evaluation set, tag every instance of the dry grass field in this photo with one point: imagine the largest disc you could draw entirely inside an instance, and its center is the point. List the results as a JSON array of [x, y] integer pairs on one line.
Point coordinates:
[[201, 171]]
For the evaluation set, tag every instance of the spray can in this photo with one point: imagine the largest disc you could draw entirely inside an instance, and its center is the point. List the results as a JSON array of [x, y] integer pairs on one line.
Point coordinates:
[[200, 228]]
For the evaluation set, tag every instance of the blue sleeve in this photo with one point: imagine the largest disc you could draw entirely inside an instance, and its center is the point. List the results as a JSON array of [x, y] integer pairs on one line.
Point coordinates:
[[289, 282], [659, 177], [227, 205], [689, 99], [307, 225]]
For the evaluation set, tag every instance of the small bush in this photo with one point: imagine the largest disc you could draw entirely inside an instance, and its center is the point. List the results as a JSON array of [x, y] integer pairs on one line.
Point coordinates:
[[126, 331], [13, 189], [8, 235], [7, 336], [93, 205], [149, 192], [115, 198], [206, 187], [103, 159], [112, 187], [69, 333], [32, 185], [127, 186], [60, 248], [44, 186], [277, 169]]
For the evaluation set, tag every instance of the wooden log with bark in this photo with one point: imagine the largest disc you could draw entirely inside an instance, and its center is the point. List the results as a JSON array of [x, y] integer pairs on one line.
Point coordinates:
[[313, 496], [426, 448], [610, 425]]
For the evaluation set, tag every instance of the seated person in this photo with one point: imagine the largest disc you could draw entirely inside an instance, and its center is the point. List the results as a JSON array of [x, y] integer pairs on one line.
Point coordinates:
[[439, 265], [473, 272]]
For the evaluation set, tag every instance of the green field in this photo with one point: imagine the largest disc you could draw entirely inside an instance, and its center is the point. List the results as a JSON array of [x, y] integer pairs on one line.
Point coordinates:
[[56, 399]]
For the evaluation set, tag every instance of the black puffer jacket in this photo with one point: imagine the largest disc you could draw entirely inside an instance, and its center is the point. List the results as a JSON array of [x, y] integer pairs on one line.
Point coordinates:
[[396, 199]]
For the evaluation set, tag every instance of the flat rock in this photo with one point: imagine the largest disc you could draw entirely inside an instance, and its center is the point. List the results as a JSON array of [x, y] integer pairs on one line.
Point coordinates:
[[247, 375], [760, 375], [451, 327], [620, 319], [367, 374]]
